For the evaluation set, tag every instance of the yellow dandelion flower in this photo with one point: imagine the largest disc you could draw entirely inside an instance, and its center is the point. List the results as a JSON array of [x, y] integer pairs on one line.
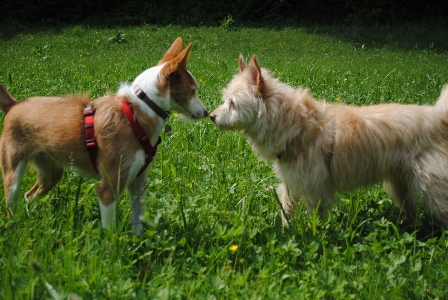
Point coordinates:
[[175, 114], [337, 98], [233, 248], [200, 80]]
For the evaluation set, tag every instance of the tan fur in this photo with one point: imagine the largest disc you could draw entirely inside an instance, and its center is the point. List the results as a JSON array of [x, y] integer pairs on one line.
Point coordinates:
[[49, 133], [320, 148], [55, 131]]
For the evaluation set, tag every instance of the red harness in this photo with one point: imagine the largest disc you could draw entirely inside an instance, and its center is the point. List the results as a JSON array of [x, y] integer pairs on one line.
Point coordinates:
[[89, 113], [142, 136]]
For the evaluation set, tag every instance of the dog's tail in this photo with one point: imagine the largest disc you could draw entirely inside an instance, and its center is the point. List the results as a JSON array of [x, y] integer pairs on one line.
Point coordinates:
[[6, 100], [442, 102]]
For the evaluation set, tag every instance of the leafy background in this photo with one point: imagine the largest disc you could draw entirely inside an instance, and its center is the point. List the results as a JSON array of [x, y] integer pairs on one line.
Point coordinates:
[[210, 12]]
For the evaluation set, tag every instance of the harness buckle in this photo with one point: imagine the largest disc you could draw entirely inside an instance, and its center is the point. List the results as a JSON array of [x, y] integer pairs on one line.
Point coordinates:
[[89, 110], [143, 138], [91, 144]]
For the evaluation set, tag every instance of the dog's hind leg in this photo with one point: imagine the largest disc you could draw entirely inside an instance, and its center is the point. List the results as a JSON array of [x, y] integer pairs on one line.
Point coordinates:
[[431, 180], [14, 159], [11, 183], [400, 192], [49, 172]]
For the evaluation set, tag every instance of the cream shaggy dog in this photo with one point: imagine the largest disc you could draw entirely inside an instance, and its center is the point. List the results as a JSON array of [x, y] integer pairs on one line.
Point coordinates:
[[321, 148]]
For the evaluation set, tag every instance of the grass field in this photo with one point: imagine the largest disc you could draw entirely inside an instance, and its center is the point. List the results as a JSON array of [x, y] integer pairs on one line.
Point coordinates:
[[213, 227]]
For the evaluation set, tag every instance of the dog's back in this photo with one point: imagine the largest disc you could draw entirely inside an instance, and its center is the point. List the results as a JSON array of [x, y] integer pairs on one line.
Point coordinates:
[[6, 100]]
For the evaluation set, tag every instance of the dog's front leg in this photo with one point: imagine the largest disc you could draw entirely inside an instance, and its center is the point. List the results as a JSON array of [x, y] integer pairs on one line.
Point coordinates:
[[287, 200], [108, 205], [136, 189]]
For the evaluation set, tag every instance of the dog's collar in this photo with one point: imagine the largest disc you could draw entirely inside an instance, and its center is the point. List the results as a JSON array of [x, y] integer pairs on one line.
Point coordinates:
[[160, 112]]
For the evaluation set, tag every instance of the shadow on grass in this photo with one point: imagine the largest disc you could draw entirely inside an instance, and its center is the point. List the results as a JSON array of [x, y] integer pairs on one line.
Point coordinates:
[[402, 37], [412, 36]]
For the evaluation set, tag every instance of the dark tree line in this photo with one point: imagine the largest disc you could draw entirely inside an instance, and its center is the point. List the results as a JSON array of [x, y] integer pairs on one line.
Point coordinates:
[[211, 12]]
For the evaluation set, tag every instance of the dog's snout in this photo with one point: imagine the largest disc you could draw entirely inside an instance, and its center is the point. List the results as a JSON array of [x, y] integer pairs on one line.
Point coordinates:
[[212, 116], [205, 113]]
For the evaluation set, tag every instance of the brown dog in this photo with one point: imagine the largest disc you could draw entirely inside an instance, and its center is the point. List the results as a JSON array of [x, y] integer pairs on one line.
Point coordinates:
[[319, 148], [51, 134]]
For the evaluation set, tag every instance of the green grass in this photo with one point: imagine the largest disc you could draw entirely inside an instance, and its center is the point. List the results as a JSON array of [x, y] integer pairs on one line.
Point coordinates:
[[207, 191]]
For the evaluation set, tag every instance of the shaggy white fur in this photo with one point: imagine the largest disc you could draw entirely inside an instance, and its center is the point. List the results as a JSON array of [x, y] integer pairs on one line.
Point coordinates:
[[320, 148]]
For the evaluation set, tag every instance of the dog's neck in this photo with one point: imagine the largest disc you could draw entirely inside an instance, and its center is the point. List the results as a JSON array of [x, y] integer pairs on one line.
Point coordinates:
[[148, 83], [142, 95], [148, 119], [267, 141], [261, 144], [271, 142]]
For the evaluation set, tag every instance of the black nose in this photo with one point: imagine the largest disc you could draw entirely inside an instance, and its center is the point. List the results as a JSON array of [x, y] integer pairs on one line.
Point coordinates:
[[205, 113]]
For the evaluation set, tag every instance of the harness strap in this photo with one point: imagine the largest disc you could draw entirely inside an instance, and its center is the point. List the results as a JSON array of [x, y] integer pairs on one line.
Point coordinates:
[[141, 135], [91, 144]]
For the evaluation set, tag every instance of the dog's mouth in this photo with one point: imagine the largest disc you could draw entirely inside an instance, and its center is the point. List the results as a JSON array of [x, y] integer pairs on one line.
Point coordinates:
[[219, 125], [191, 115], [212, 117], [187, 114]]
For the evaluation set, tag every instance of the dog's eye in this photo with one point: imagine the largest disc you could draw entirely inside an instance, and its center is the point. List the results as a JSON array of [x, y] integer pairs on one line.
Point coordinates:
[[193, 92], [231, 105]]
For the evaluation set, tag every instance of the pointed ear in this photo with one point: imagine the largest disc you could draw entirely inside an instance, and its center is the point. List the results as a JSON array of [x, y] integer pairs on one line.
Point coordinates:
[[241, 64], [174, 51], [183, 57], [177, 63], [255, 74]]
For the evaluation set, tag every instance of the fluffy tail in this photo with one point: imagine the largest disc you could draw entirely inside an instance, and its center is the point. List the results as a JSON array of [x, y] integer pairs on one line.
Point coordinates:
[[442, 102]]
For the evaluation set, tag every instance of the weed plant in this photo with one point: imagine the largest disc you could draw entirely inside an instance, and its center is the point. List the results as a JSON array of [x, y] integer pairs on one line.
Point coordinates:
[[213, 227]]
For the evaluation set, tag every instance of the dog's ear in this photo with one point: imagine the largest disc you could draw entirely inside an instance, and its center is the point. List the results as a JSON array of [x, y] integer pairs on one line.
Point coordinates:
[[183, 57], [177, 63], [174, 65], [175, 50], [255, 75], [241, 64]]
